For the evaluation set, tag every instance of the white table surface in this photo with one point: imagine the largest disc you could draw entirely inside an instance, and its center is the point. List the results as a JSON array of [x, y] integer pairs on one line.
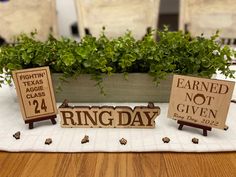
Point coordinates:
[[107, 139]]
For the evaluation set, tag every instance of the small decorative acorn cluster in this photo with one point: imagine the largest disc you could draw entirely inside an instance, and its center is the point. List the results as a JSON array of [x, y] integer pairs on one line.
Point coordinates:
[[85, 139], [167, 140], [16, 135]]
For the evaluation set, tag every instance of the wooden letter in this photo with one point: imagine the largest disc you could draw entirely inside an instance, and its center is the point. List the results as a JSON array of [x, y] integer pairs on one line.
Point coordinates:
[[108, 116]]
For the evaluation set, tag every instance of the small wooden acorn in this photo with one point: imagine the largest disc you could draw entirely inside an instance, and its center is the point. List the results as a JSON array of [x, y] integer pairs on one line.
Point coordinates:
[[65, 104], [17, 135], [48, 141], [195, 140], [151, 105], [123, 141], [166, 140], [85, 139]]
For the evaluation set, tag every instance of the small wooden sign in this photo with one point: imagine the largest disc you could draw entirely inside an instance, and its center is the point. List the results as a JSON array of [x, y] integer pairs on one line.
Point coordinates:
[[200, 101], [108, 116], [35, 94]]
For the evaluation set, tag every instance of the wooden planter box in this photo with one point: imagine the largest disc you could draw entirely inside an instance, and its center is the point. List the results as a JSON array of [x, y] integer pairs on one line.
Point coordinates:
[[138, 87]]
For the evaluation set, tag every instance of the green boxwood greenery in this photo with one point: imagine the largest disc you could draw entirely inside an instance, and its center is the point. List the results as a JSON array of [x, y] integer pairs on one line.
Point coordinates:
[[173, 52]]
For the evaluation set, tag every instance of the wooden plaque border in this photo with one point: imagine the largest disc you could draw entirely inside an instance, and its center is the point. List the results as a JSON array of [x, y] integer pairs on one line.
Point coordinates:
[[183, 122], [31, 119], [66, 108]]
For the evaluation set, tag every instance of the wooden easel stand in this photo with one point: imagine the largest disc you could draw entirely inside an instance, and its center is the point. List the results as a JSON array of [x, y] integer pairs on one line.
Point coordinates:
[[204, 128], [31, 122]]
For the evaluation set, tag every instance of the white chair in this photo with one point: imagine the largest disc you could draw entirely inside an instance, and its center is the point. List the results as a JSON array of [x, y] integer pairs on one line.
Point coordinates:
[[17, 16], [117, 16], [207, 16]]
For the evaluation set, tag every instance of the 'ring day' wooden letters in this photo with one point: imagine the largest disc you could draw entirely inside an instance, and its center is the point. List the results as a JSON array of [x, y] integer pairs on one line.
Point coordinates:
[[108, 116], [35, 94], [200, 101]]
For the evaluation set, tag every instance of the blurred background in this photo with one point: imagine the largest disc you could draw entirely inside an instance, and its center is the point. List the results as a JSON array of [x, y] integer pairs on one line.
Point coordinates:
[[67, 20], [75, 18]]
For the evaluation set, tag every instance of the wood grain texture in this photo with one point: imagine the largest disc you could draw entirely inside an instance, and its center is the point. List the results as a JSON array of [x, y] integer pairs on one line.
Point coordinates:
[[109, 116], [202, 164], [35, 93], [117, 164], [200, 101]]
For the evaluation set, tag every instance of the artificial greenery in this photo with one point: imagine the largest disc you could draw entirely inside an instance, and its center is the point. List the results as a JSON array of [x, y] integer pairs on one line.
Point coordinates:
[[173, 52]]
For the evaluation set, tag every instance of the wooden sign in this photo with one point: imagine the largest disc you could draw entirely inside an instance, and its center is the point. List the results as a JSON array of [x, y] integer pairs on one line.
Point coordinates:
[[108, 116], [35, 94], [200, 101]]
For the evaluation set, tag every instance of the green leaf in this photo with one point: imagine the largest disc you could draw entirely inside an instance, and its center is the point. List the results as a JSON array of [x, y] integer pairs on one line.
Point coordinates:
[[26, 58], [86, 64], [11, 66], [68, 59]]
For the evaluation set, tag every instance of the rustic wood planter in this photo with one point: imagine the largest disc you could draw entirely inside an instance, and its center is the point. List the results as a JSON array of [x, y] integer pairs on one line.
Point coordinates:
[[137, 88]]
